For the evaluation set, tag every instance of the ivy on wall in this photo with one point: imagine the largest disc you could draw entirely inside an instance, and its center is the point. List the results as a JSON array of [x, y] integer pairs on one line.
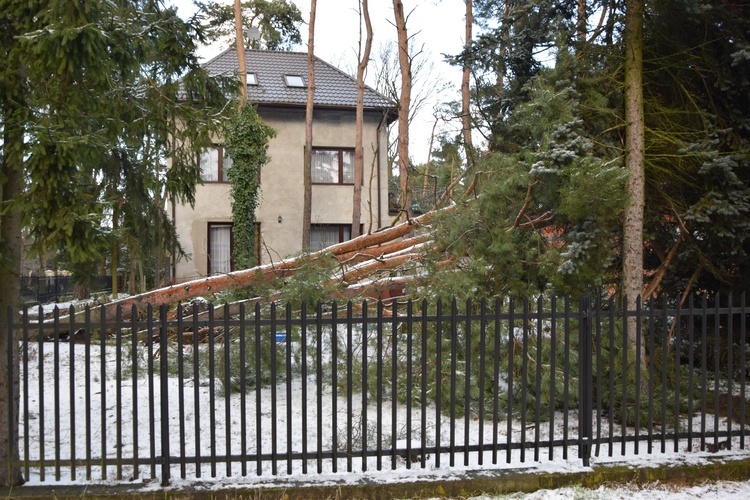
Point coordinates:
[[246, 139]]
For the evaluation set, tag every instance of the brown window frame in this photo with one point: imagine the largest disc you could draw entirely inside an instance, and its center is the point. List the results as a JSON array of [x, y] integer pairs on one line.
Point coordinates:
[[222, 178], [231, 244], [341, 228], [340, 152], [211, 225]]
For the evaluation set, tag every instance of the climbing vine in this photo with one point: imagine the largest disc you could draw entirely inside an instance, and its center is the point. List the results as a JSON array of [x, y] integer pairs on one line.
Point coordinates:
[[246, 139]]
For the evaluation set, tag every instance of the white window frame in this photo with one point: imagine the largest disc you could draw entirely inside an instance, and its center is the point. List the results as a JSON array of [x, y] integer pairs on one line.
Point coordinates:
[[295, 81]]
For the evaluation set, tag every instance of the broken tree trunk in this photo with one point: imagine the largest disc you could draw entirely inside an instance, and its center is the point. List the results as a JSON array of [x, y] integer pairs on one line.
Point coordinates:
[[373, 245]]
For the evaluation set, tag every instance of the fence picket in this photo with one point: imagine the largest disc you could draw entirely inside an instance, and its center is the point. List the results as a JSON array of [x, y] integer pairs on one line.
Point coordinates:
[[482, 378]]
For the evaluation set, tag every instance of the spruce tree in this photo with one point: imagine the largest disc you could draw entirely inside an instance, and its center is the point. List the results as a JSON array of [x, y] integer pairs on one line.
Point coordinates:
[[92, 95]]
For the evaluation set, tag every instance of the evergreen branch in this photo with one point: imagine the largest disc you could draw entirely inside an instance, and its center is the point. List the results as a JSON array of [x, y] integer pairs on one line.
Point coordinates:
[[523, 208], [662, 271]]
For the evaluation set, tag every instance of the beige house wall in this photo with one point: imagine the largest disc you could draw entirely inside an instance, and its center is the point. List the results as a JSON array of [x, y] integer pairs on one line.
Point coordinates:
[[281, 198]]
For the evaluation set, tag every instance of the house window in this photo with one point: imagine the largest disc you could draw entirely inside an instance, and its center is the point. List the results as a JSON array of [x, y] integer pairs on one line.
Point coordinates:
[[294, 81], [220, 245], [214, 163], [252, 79], [325, 235], [332, 166]]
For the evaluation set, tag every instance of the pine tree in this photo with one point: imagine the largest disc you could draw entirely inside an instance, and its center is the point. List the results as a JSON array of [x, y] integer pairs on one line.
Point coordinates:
[[697, 105], [546, 212], [277, 21]]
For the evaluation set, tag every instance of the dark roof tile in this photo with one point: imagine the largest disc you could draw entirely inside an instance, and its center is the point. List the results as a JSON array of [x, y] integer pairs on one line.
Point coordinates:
[[333, 87]]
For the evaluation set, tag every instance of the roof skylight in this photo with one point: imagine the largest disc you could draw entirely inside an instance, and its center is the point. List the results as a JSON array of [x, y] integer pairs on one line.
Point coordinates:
[[294, 81]]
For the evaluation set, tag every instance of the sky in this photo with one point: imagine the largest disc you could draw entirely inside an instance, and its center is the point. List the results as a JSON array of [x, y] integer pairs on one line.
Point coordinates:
[[436, 25]]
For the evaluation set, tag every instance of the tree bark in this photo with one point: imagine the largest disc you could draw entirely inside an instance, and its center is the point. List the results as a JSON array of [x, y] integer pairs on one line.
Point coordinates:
[[465, 90], [359, 157], [240, 41], [427, 165], [635, 152], [11, 246], [581, 21], [368, 243], [307, 174], [403, 108]]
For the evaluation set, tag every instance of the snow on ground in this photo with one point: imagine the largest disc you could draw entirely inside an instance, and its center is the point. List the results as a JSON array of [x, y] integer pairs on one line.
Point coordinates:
[[64, 307], [125, 417]]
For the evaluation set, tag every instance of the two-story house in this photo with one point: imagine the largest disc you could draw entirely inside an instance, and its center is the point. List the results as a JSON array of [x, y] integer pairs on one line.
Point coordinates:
[[277, 85]]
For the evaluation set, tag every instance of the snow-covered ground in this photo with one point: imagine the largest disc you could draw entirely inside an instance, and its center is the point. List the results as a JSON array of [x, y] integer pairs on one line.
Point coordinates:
[[119, 416]]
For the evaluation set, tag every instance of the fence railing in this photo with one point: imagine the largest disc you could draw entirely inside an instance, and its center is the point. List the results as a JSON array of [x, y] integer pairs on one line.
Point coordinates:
[[203, 391]]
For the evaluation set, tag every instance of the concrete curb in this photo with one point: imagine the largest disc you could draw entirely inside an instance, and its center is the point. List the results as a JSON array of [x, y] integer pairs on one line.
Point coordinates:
[[472, 483]]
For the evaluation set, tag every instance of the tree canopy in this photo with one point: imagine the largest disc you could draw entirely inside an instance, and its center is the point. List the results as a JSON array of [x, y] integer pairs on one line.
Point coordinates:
[[549, 98], [92, 98], [277, 21]]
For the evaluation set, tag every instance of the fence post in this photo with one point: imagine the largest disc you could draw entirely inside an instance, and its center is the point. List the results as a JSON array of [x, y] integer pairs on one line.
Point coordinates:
[[585, 380], [12, 442], [164, 396]]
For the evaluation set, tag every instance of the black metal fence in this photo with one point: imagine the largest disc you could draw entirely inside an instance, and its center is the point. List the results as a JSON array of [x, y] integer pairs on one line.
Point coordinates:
[[43, 289], [205, 391]]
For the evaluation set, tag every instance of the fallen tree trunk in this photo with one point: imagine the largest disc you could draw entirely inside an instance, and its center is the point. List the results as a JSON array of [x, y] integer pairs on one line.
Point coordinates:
[[366, 246], [379, 251]]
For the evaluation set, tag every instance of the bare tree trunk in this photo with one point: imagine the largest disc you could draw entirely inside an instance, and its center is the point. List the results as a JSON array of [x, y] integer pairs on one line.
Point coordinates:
[[465, 94], [11, 246], [581, 21], [503, 50], [142, 287], [359, 157], [307, 174], [427, 165], [403, 108], [131, 281], [635, 160], [240, 41]]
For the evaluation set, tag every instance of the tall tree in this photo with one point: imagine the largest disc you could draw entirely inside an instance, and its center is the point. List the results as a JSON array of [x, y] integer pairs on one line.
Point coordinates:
[[635, 158], [547, 211], [246, 139], [466, 126], [404, 102], [13, 114], [277, 21], [425, 82], [307, 164], [682, 141], [696, 104], [240, 43], [92, 97], [359, 156]]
